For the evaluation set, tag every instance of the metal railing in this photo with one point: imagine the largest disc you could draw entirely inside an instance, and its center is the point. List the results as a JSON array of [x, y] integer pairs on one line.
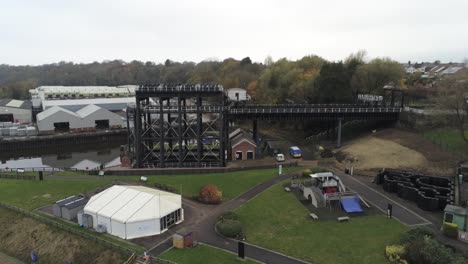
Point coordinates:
[[151, 88], [313, 110]]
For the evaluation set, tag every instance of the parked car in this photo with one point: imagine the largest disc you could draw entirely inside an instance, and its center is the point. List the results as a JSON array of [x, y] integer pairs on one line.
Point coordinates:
[[295, 152], [280, 157]]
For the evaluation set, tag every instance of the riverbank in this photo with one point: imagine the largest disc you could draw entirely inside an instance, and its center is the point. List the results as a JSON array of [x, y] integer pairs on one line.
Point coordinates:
[[53, 143]]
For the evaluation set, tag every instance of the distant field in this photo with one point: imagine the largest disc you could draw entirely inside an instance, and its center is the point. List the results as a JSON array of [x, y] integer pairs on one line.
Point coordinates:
[[277, 220], [202, 254], [31, 194]]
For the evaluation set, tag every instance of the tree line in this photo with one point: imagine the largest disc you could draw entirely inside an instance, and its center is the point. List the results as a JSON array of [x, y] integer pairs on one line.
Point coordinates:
[[306, 80]]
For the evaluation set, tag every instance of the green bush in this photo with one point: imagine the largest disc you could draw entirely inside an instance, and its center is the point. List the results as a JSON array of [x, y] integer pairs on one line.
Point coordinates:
[[395, 254], [306, 173], [429, 251], [230, 215], [229, 228], [450, 230], [418, 233]]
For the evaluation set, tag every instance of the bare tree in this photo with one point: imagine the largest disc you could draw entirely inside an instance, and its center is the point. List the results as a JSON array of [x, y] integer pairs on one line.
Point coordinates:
[[452, 96]]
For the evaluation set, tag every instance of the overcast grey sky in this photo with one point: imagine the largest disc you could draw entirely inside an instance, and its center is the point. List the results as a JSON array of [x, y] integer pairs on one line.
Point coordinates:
[[45, 31]]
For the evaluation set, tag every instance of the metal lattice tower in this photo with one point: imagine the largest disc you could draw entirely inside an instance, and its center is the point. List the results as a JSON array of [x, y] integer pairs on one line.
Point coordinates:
[[177, 126]]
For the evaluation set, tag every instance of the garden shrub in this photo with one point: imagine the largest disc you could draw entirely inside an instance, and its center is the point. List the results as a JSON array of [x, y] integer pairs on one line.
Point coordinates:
[[395, 254], [230, 215], [450, 230], [429, 251], [418, 233], [306, 173], [229, 228], [210, 194]]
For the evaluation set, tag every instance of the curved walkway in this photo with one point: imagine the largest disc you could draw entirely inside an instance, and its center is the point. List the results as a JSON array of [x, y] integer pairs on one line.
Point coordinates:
[[203, 230]]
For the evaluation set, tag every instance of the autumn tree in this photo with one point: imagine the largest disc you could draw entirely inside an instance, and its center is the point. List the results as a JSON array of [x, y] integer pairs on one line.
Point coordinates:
[[370, 78], [452, 96]]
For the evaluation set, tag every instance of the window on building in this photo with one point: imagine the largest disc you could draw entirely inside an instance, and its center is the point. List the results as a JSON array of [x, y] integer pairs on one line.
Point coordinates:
[[238, 155], [250, 155]]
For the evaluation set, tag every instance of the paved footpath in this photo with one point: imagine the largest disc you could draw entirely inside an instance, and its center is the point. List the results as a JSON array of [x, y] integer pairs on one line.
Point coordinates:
[[380, 200], [204, 232]]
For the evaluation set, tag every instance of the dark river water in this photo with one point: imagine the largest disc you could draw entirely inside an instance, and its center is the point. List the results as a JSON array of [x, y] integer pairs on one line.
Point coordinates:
[[71, 157]]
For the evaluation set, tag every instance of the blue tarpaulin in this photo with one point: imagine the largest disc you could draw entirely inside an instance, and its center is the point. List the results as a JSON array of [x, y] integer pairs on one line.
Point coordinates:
[[351, 205]]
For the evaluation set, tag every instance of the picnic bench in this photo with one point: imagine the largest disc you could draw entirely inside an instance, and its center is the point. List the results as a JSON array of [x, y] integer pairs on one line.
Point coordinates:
[[343, 218], [314, 216]]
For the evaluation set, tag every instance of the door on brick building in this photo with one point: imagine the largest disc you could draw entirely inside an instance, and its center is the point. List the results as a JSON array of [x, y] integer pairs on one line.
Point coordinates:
[[250, 155], [238, 155]]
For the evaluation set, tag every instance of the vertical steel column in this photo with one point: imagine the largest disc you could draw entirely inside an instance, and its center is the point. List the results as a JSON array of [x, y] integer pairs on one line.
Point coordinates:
[[199, 131], [150, 134], [255, 136], [185, 125], [338, 140], [162, 152], [169, 129], [137, 131], [180, 148]]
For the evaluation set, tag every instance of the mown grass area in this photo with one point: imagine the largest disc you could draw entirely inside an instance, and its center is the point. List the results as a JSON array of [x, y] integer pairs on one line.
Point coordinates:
[[72, 173], [31, 194], [449, 139], [202, 254], [277, 220], [232, 184]]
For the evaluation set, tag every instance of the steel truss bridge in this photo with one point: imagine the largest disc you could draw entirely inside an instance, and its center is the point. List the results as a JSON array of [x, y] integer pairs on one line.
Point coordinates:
[[188, 125]]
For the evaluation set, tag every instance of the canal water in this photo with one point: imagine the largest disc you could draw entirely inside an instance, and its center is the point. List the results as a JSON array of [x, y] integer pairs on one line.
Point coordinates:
[[77, 157]]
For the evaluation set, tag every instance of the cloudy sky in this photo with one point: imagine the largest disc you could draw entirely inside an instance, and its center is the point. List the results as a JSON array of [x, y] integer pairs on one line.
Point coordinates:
[[36, 32]]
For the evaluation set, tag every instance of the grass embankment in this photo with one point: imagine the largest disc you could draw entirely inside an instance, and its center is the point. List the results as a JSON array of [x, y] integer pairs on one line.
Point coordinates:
[[19, 236], [231, 184], [30, 194], [202, 254], [450, 139], [277, 220]]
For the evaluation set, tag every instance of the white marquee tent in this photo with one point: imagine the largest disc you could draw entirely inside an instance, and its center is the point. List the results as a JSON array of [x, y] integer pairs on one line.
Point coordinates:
[[135, 211]]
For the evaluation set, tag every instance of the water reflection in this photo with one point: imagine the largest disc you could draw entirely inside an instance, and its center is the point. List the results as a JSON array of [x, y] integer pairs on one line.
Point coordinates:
[[82, 160]]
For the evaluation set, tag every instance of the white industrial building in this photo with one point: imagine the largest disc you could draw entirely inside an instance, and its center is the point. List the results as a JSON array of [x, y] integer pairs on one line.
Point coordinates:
[[88, 118], [15, 111], [134, 211], [73, 98], [57, 119], [237, 94]]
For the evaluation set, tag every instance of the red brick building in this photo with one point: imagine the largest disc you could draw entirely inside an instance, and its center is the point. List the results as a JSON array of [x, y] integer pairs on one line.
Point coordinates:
[[243, 147]]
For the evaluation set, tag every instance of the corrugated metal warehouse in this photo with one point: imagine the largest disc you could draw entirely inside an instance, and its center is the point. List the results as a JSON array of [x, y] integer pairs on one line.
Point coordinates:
[[15, 111], [70, 210], [134, 211], [89, 118]]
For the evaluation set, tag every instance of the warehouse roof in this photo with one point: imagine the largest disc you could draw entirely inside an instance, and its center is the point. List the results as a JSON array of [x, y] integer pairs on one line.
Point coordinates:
[[13, 103], [133, 203], [121, 102], [87, 110], [53, 110]]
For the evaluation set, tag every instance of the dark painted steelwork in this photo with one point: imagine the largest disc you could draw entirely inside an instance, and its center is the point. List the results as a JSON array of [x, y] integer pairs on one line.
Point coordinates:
[[188, 125]]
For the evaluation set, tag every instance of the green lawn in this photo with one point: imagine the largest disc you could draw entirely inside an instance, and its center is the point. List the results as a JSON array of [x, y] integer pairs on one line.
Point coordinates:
[[29, 194], [202, 254], [231, 184], [278, 221], [449, 139]]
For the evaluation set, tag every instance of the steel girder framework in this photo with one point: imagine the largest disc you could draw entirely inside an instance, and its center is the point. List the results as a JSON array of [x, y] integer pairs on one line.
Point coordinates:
[[175, 127]]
